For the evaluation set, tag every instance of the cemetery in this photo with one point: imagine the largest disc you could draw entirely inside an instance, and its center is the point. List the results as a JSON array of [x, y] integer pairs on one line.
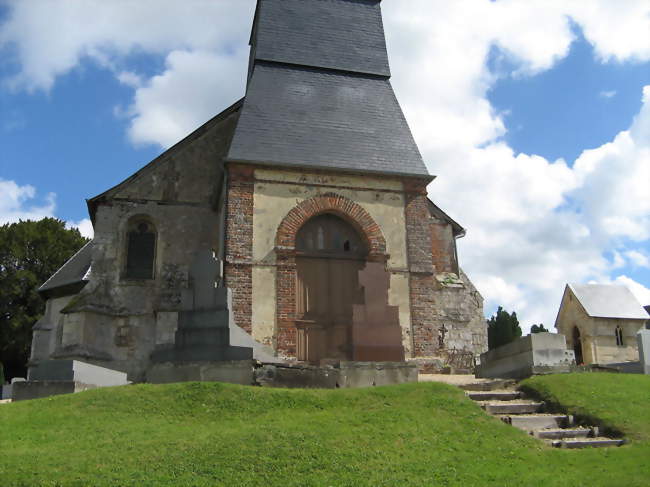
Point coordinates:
[[276, 300]]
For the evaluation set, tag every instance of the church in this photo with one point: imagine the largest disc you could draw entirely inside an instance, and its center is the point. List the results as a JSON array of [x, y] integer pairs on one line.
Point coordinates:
[[303, 206]]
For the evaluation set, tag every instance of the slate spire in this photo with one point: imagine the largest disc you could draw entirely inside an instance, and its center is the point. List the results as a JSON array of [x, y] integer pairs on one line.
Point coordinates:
[[319, 94], [345, 35]]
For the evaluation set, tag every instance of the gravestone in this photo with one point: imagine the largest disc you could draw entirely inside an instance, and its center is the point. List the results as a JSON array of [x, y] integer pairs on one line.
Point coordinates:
[[202, 350], [643, 339]]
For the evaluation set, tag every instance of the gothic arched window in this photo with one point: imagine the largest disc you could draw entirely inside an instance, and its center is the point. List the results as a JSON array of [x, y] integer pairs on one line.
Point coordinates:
[[141, 249], [619, 337]]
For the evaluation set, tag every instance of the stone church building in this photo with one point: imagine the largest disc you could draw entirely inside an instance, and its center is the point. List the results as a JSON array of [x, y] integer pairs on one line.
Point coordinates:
[[311, 195], [600, 323]]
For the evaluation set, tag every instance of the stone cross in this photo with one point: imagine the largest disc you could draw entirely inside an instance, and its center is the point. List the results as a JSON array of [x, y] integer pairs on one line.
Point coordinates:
[[441, 336]]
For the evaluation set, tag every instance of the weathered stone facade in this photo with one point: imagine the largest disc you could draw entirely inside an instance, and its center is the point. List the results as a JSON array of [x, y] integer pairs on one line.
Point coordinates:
[[594, 338], [243, 186]]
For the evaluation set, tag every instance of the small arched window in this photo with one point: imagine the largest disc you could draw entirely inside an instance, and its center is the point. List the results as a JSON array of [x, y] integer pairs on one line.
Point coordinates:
[[329, 234], [141, 249], [619, 336]]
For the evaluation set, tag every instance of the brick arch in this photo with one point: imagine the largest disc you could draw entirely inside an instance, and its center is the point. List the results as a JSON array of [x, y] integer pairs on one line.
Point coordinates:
[[341, 206], [285, 241]]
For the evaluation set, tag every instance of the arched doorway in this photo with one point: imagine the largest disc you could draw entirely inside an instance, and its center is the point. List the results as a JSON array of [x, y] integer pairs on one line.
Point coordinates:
[[577, 346], [329, 255]]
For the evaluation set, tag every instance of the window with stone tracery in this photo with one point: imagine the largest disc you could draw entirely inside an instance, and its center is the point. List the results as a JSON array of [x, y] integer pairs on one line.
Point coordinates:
[[619, 336]]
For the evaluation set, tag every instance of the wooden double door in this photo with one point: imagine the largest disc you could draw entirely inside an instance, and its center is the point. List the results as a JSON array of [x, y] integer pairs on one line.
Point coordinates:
[[330, 256]]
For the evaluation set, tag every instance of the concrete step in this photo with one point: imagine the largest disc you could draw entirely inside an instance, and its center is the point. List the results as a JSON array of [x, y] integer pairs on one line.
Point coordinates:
[[497, 395], [598, 442], [531, 422], [512, 407], [561, 433], [490, 385]]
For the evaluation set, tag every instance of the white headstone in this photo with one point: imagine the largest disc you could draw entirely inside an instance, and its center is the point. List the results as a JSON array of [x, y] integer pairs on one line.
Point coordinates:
[[643, 339]]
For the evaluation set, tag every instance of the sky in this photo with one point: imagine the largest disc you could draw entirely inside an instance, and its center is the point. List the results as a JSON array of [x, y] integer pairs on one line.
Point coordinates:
[[533, 114]]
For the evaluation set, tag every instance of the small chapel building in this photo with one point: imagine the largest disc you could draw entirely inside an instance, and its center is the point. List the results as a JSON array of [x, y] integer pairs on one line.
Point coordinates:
[[312, 195], [600, 323]]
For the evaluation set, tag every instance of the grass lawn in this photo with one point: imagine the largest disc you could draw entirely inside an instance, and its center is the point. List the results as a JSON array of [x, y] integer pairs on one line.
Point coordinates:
[[212, 434]]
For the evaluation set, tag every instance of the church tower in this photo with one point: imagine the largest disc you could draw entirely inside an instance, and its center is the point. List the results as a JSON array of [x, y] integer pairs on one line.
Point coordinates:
[[310, 193]]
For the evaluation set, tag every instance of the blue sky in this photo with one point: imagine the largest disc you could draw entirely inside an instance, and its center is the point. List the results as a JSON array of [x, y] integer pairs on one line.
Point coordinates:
[[503, 97]]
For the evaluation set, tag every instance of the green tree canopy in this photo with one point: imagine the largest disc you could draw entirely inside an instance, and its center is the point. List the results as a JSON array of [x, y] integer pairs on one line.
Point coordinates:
[[30, 252], [503, 328], [538, 329]]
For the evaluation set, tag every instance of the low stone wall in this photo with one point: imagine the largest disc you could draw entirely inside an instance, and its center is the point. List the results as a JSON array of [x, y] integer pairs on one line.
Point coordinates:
[[539, 353], [233, 372], [342, 375]]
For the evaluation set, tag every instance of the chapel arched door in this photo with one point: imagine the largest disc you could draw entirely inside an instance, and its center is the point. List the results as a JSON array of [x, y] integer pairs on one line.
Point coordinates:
[[330, 254], [577, 346]]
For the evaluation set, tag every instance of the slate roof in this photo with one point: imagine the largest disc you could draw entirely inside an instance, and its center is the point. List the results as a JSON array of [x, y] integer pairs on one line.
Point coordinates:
[[347, 35], [295, 116], [436, 212], [74, 271], [608, 301], [319, 95]]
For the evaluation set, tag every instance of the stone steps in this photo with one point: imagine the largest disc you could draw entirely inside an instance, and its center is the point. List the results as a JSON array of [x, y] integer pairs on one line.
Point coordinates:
[[533, 422], [597, 442], [562, 433], [500, 399], [496, 395], [512, 407]]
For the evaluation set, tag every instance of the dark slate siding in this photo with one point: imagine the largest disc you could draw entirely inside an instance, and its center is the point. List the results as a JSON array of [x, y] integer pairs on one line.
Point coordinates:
[[312, 118], [345, 35]]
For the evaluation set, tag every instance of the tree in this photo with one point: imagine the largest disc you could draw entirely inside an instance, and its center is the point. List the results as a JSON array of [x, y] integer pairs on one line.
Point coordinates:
[[30, 252], [503, 328], [538, 329]]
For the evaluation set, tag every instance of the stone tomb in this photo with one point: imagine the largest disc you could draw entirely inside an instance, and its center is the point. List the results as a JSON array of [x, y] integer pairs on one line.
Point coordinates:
[[202, 349], [52, 377], [538, 353]]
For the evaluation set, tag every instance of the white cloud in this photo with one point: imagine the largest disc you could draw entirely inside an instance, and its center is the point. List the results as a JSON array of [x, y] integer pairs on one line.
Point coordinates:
[[16, 203], [84, 226], [607, 94], [51, 37], [641, 293], [533, 224], [639, 259], [164, 114]]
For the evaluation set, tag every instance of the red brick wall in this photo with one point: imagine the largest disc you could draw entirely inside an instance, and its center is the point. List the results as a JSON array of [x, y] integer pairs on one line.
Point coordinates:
[[421, 271], [239, 243], [443, 248]]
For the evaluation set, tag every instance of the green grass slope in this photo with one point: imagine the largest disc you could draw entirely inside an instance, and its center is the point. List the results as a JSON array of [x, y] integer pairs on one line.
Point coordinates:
[[223, 435]]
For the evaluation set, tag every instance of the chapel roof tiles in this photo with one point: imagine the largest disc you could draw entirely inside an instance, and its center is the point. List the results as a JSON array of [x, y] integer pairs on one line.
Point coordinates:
[[608, 301]]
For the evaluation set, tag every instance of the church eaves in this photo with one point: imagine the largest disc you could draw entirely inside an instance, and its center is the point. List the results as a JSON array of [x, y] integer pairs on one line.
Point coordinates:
[[319, 94]]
